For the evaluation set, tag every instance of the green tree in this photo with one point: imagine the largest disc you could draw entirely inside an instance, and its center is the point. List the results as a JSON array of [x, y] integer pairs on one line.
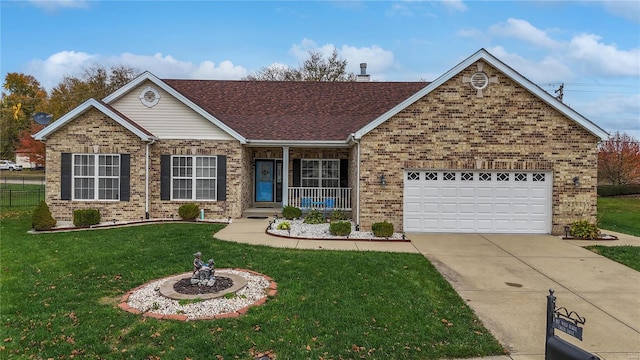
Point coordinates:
[[22, 96], [315, 68]]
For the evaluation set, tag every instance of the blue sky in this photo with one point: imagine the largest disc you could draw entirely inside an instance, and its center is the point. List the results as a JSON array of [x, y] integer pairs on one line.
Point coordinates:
[[593, 47]]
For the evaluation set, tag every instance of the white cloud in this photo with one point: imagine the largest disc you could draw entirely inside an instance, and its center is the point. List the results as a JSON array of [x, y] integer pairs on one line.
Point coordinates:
[[584, 54], [170, 67], [547, 70], [603, 59], [54, 5], [629, 10], [50, 72], [457, 5], [618, 112], [71, 63], [523, 30], [399, 9], [378, 59], [473, 34]]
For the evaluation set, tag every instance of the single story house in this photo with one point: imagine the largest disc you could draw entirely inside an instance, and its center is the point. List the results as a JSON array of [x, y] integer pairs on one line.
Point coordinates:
[[480, 149]]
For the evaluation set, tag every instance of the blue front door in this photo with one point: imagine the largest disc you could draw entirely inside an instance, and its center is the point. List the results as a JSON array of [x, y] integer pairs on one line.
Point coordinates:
[[264, 180]]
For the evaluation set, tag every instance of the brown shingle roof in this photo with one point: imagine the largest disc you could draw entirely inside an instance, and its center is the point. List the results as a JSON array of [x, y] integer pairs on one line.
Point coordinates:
[[288, 110]]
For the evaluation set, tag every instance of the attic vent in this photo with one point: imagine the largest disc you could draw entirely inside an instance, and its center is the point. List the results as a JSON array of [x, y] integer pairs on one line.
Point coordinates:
[[479, 80]]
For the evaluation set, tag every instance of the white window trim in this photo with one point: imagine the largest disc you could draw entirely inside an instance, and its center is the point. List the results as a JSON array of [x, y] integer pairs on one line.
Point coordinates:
[[320, 178], [96, 177], [194, 179]]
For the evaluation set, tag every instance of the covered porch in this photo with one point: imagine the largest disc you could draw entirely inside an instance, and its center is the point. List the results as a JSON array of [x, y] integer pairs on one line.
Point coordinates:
[[304, 177]]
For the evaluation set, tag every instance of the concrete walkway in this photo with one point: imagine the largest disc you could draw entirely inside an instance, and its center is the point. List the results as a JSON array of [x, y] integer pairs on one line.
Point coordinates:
[[505, 279]]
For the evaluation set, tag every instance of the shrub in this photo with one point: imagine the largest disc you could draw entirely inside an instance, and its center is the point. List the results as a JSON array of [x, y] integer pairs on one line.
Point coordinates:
[[340, 228], [41, 218], [86, 217], [285, 225], [291, 212], [616, 190], [189, 212], [338, 215], [382, 229], [584, 229], [314, 217]]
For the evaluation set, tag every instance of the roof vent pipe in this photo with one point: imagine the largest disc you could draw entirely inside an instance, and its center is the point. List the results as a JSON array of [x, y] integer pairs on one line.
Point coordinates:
[[363, 73]]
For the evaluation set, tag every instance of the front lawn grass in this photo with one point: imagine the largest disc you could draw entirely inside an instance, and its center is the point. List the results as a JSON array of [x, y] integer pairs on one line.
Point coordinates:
[[626, 255], [619, 214], [59, 295]]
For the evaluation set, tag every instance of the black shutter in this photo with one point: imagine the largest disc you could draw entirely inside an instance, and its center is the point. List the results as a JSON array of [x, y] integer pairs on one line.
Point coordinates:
[[222, 178], [65, 176], [125, 171], [344, 173], [296, 172], [165, 177]]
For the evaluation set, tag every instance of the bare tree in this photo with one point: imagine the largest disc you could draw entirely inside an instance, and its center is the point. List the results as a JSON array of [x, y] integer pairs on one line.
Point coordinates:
[[315, 68]]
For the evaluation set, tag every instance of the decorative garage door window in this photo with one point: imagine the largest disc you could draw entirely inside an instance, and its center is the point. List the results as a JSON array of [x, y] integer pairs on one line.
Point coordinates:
[[482, 201], [449, 176], [413, 176]]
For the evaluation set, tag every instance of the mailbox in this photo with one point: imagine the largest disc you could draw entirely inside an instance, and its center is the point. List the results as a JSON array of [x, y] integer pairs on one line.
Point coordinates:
[[558, 349]]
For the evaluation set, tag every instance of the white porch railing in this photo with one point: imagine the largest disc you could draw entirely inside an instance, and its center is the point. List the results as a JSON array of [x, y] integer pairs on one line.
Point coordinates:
[[320, 198]]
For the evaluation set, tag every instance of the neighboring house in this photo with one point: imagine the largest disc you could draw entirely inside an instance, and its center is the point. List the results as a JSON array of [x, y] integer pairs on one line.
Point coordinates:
[[22, 158], [480, 149]]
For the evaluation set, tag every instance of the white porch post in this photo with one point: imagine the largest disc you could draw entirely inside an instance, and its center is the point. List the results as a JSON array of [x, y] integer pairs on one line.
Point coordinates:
[[285, 176]]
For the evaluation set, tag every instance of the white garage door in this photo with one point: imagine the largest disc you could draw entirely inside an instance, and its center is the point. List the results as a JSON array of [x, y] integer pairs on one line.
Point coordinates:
[[477, 201]]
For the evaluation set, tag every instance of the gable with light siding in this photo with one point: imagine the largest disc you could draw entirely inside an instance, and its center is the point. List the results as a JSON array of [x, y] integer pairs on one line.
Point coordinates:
[[169, 118]]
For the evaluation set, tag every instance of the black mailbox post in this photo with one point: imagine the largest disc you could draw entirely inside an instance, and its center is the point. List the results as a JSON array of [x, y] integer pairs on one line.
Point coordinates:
[[555, 348]]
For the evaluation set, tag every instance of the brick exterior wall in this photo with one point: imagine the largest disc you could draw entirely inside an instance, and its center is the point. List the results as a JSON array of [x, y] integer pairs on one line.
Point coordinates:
[[236, 177], [80, 136], [94, 128], [451, 128]]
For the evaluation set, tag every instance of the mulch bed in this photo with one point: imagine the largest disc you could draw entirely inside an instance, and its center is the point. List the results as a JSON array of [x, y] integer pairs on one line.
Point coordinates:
[[184, 286]]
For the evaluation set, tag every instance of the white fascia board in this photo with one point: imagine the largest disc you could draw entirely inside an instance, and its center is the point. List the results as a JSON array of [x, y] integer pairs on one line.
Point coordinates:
[[484, 55], [84, 107], [298, 143], [161, 84]]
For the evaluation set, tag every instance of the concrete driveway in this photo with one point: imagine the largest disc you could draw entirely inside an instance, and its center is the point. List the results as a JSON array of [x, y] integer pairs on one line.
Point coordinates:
[[505, 279]]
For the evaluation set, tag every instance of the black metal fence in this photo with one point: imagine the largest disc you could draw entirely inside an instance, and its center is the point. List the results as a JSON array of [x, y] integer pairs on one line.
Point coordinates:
[[11, 197]]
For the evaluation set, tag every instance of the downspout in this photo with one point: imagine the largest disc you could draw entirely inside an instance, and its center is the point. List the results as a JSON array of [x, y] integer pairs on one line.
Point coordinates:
[[146, 179], [357, 141]]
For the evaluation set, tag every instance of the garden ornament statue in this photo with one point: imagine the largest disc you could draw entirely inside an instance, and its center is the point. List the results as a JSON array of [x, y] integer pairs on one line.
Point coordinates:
[[203, 274]]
